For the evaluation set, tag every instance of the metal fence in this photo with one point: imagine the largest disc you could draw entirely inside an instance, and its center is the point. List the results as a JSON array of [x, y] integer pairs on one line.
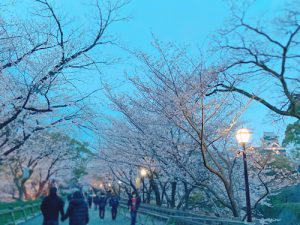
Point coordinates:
[[14, 215], [169, 216]]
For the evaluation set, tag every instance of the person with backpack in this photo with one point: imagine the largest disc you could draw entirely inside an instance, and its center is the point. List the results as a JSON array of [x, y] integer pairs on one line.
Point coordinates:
[[51, 206], [78, 211], [114, 203], [133, 206], [101, 205]]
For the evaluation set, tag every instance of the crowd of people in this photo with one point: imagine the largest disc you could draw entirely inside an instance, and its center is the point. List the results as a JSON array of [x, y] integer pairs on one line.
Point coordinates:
[[79, 204]]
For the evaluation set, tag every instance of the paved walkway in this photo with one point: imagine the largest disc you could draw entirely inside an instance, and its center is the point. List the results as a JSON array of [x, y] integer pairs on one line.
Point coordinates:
[[95, 220]]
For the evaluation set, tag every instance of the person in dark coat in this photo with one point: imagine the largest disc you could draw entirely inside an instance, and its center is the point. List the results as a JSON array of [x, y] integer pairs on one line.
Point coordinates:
[[69, 197], [78, 211], [114, 203], [133, 206], [51, 206], [96, 201], [102, 204], [90, 199]]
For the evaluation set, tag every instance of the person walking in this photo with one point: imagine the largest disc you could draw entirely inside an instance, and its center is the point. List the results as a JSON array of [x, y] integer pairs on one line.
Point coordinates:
[[114, 203], [133, 206], [78, 211], [96, 201], [90, 199], [69, 197], [101, 205], [51, 206]]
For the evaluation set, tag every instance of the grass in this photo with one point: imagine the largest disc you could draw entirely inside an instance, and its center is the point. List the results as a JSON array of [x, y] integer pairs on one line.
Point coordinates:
[[7, 218], [287, 213], [285, 206]]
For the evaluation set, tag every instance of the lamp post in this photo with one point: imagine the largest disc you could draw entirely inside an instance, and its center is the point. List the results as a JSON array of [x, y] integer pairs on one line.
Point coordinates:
[[243, 136], [143, 173]]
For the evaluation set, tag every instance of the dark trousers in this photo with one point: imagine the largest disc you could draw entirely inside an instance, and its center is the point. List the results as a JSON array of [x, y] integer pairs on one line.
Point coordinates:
[[50, 222], [102, 212], [133, 217], [114, 212]]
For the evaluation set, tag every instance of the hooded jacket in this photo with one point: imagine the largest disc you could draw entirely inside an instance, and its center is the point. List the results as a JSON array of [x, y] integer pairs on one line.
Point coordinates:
[[51, 206], [77, 212]]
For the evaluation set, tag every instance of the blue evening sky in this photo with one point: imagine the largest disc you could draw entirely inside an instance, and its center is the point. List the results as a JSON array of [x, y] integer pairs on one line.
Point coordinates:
[[186, 22]]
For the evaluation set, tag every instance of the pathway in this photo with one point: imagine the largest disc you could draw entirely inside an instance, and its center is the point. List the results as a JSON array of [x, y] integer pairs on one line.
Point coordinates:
[[95, 220]]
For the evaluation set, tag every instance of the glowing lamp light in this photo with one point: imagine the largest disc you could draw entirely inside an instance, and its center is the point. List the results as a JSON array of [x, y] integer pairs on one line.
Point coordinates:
[[143, 172], [243, 136]]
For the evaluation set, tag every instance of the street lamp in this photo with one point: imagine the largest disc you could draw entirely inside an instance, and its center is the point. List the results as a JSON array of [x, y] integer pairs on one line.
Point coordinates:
[[143, 173], [243, 137]]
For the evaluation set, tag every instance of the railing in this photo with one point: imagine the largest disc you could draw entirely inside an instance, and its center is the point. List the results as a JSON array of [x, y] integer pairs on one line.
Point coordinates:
[[180, 217], [14, 215]]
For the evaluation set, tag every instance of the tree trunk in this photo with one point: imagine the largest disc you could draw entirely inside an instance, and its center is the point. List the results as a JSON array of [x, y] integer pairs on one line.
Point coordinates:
[[173, 194], [234, 207], [20, 193], [187, 193], [156, 190], [20, 184], [148, 197]]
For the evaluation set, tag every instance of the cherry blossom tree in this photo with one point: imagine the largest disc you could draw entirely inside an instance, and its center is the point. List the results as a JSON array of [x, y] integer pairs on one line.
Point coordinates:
[[45, 158], [264, 52], [40, 60], [188, 134]]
